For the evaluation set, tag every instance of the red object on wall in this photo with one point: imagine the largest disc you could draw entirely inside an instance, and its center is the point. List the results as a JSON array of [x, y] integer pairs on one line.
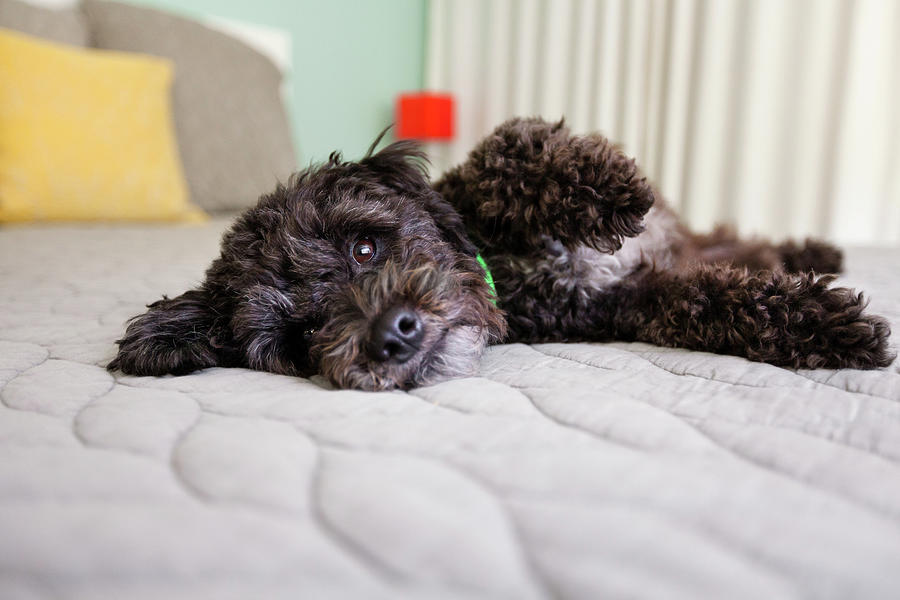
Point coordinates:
[[425, 116]]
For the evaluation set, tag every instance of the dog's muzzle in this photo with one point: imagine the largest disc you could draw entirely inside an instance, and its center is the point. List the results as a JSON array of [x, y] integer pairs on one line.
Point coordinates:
[[396, 336]]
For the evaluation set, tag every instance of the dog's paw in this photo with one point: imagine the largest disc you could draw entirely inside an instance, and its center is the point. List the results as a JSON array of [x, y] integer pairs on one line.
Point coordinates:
[[838, 333], [814, 255], [859, 342], [530, 180]]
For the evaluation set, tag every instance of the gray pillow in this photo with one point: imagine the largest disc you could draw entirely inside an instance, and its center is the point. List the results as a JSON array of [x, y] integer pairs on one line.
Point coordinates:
[[233, 133], [65, 25]]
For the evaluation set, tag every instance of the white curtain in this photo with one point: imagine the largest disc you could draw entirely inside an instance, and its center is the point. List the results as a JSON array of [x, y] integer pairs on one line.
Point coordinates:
[[780, 116]]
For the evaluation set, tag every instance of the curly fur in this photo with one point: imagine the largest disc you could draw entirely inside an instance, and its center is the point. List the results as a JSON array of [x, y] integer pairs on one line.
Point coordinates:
[[629, 272], [447, 298], [724, 245], [285, 295], [793, 320], [580, 245], [530, 179]]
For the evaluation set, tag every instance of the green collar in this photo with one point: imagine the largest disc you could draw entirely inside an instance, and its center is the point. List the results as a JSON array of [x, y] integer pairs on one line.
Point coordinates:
[[488, 278]]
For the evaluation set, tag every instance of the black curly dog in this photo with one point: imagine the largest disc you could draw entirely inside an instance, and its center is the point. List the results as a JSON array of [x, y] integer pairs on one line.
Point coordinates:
[[366, 273]]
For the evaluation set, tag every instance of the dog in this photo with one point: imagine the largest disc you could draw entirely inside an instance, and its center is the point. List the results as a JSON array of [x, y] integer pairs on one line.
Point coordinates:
[[370, 275]]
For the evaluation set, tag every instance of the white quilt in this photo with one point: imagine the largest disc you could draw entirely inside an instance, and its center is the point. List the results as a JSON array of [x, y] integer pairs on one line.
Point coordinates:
[[562, 471]]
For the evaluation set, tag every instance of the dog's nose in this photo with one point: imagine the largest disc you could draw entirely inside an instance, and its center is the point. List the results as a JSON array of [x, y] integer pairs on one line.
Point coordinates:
[[396, 335]]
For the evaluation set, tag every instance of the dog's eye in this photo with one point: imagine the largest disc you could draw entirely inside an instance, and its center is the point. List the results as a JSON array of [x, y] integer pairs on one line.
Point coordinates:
[[363, 250]]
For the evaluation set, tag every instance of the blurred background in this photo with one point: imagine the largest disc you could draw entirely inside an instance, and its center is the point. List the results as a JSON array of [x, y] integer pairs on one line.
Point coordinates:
[[780, 116]]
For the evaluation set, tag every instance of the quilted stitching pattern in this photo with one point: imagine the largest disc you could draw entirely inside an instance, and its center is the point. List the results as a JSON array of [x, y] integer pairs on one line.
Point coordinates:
[[562, 471]]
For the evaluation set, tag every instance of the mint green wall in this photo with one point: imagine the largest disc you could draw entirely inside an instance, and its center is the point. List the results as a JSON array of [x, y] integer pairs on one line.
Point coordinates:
[[350, 58]]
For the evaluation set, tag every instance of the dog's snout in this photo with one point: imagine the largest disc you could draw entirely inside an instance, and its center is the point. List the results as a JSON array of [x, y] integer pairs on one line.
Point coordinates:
[[396, 335]]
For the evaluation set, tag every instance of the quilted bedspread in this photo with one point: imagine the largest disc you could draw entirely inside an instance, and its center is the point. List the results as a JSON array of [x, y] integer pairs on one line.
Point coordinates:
[[561, 471]]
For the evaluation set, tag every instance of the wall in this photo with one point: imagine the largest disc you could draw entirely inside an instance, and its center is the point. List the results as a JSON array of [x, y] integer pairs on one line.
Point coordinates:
[[350, 58]]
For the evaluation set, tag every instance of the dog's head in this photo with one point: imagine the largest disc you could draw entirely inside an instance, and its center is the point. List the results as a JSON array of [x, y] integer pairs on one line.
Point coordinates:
[[357, 270]]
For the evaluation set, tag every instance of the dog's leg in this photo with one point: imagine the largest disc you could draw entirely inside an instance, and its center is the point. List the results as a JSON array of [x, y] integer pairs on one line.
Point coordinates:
[[531, 180], [811, 255], [177, 336], [779, 318], [723, 245]]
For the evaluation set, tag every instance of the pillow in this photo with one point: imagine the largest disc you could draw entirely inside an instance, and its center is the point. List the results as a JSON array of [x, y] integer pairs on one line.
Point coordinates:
[[86, 135], [65, 25], [232, 129]]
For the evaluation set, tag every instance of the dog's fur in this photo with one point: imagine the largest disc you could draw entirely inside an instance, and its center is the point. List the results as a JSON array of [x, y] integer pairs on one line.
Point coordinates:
[[581, 249]]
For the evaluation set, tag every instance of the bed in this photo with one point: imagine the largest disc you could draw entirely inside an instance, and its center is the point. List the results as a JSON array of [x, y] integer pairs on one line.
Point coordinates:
[[560, 471]]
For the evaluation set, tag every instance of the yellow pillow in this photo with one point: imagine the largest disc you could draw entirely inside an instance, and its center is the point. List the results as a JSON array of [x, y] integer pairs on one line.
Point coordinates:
[[87, 135]]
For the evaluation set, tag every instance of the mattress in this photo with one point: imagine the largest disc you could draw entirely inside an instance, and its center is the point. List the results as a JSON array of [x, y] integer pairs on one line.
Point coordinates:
[[560, 471]]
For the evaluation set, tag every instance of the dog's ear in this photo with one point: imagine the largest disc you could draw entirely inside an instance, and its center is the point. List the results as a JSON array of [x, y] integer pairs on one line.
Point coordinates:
[[176, 336], [403, 166], [450, 223]]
